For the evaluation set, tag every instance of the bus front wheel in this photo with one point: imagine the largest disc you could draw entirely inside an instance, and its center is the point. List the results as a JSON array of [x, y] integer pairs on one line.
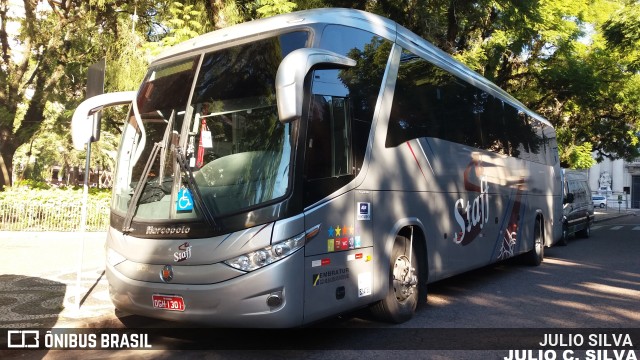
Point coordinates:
[[401, 300]]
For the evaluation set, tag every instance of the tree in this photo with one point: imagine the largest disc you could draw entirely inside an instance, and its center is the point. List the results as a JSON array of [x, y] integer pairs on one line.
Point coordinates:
[[224, 13], [46, 48], [38, 67], [268, 8], [575, 62], [550, 54], [622, 33]]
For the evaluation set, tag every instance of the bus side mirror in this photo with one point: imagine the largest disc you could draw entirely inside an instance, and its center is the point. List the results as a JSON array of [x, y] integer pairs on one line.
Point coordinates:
[[569, 199], [291, 74], [82, 127]]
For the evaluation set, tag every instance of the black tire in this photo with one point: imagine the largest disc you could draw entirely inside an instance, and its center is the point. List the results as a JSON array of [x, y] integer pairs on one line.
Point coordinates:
[[564, 240], [602, 206], [404, 293], [586, 232], [536, 255]]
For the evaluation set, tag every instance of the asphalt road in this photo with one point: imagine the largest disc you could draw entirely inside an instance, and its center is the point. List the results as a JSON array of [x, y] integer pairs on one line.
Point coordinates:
[[590, 284]]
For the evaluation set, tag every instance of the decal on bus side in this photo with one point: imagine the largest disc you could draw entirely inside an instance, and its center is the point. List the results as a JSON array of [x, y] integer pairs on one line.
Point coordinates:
[[472, 217], [364, 211], [365, 282], [510, 232], [330, 276], [343, 238]]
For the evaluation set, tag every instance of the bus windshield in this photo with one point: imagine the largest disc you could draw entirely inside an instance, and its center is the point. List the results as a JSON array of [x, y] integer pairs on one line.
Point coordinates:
[[236, 150]]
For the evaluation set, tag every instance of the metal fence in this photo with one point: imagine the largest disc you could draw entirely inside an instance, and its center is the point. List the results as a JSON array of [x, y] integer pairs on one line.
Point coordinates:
[[619, 200], [33, 216]]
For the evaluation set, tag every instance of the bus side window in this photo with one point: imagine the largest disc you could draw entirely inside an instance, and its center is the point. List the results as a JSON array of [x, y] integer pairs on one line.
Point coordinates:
[[431, 102], [341, 110], [417, 100], [328, 145]]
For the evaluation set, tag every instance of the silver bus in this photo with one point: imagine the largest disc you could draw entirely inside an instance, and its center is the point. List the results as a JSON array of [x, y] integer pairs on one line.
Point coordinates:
[[288, 169]]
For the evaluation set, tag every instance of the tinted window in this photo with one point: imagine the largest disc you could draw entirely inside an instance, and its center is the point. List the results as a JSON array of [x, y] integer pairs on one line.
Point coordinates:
[[580, 191], [239, 151], [430, 102], [550, 145], [341, 110], [246, 71], [329, 141]]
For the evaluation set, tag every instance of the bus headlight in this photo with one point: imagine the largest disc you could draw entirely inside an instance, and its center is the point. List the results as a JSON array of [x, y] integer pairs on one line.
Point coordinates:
[[268, 255]]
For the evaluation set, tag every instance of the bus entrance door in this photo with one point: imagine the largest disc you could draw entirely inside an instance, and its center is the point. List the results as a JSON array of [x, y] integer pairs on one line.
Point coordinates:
[[338, 266]]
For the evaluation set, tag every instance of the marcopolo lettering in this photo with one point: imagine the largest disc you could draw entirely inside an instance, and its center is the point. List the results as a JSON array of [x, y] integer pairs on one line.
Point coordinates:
[[167, 230]]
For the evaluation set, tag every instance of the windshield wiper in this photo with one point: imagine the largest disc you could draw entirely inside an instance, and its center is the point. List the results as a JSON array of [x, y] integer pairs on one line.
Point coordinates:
[[137, 192], [191, 183]]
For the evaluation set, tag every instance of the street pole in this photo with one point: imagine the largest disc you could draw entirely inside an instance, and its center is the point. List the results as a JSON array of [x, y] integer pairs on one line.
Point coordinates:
[[83, 224], [95, 86]]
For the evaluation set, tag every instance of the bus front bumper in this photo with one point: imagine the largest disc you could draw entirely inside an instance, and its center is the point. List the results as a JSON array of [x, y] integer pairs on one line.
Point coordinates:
[[268, 297]]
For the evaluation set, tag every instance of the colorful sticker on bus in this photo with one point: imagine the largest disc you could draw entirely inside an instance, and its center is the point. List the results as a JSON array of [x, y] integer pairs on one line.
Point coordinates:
[[343, 238]]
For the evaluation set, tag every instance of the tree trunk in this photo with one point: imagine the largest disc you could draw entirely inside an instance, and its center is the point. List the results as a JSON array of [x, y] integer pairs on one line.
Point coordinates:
[[215, 12], [7, 150], [452, 27]]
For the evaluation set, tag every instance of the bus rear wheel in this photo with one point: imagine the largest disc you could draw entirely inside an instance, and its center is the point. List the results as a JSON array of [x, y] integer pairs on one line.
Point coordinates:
[[535, 256], [401, 300]]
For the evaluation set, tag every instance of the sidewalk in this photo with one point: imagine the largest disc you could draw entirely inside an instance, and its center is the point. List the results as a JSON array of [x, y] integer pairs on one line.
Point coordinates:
[[612, 212], [38, 277]]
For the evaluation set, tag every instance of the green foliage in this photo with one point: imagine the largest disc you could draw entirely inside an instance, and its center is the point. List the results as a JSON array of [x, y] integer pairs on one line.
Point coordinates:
[[43, 71], [30, 191], [30, 184], [574, 62], [126, 61], [622, 33], [550, 54], [268, 8], [51, 146], [182, 22], [578, 157], [30, 207]]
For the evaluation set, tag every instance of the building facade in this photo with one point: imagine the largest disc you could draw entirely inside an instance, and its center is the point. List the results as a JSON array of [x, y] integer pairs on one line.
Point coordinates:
[[617, 177]]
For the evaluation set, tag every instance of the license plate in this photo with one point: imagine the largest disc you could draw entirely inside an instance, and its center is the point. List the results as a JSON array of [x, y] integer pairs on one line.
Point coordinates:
[[168, 302]]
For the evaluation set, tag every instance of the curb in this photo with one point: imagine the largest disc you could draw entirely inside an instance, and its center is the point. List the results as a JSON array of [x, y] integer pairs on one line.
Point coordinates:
[[598, 217]]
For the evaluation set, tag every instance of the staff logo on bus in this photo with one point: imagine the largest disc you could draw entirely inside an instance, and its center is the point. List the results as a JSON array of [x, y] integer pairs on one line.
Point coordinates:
[[183, 254], [472, 214]]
